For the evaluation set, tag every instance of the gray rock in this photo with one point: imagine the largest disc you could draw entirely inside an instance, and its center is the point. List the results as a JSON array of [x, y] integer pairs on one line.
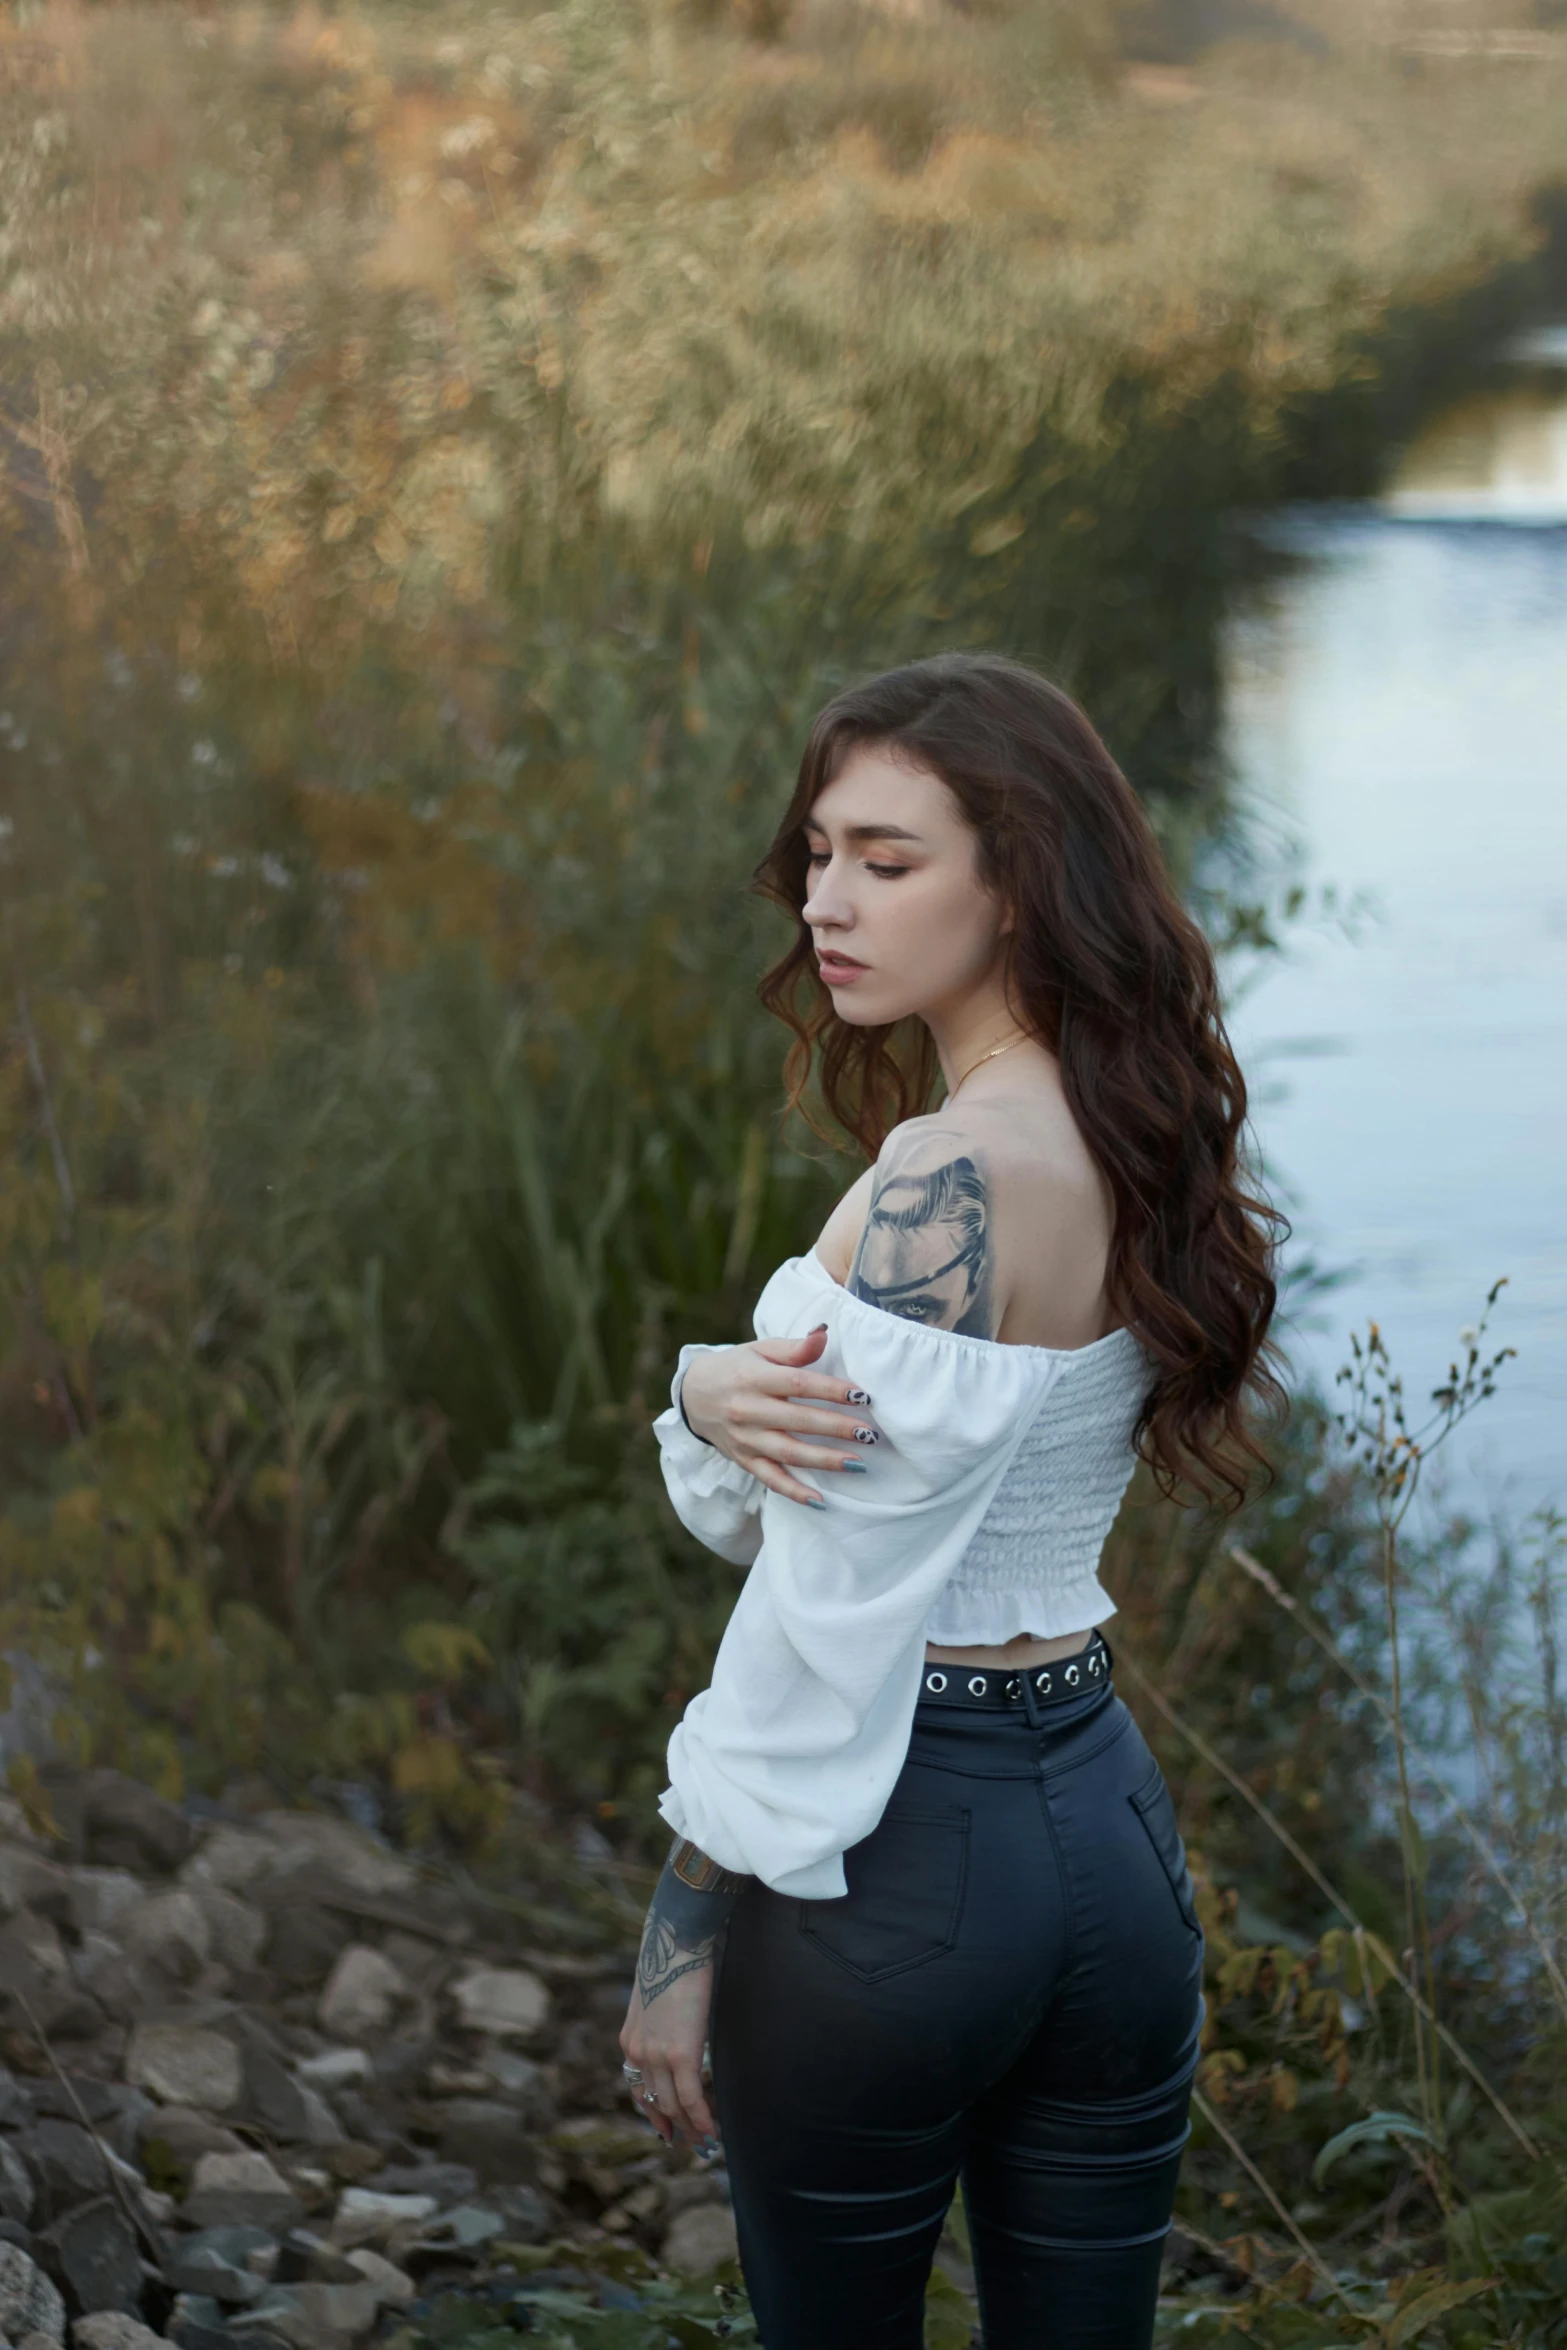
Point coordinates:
[[35, 1975], [16, 2104], [168, 1931], [276, 2100], [95, 2254], [305, 2258], [485, 2135], [101, 1897], [365, 2217], [236, 1930], [112, 2329], [77, 2095], [392, 2286], [215, 2262], [29, 2303], [29, 1881], [16, 2185], [176, 2134], [310, 2317], [685, 2190], [701, 2240], [362, 1994], [516, 2076], [463, 2229], [101, 1969], [126, 1826], [362, 2120], [303, 1839], [67, 2163], [504, 2003], [322, 2126], [397, 2065], [239, 2190], [335, 2068], [448, 2182], [180, 2064], [305, 1939], [523, 2212], [196, 2323], [229, 1860]]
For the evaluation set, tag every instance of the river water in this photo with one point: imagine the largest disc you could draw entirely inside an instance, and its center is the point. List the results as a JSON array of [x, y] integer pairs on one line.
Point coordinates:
[[1397, 722]]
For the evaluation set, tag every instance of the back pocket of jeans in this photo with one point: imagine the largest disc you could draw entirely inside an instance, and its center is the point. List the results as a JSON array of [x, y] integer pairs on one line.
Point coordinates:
[[905, 1900], [1153, 1806]]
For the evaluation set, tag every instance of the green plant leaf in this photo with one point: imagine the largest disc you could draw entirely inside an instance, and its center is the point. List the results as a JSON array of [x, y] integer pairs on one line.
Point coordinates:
[[1375, 2129], [1427, 2307]]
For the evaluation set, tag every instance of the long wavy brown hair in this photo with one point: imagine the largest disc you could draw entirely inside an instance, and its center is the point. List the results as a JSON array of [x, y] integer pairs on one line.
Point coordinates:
[[1111, 973]]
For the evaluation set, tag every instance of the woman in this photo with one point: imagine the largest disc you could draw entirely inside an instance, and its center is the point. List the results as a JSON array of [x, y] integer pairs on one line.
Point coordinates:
[[957, 1928]]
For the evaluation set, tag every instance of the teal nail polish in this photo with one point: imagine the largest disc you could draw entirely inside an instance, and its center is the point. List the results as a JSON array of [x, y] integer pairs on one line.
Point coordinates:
[[816, 1503], [856, 1468]]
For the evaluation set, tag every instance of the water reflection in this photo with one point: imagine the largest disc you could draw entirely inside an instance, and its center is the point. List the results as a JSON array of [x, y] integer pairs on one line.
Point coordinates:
[[1397, 711], [1498, 457]]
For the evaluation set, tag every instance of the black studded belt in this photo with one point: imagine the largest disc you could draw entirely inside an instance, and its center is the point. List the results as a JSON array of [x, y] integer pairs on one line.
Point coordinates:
[[1051, 1684]]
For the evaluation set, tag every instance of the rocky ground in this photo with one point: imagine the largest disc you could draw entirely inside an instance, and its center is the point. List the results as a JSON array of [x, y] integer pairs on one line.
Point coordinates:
[[268, 2082]]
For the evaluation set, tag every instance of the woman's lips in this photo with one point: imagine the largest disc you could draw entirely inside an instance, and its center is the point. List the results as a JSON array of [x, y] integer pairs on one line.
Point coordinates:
[[838, 970]]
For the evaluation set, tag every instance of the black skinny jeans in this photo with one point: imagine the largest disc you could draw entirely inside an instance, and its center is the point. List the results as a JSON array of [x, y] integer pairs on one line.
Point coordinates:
[[1010, 1993]]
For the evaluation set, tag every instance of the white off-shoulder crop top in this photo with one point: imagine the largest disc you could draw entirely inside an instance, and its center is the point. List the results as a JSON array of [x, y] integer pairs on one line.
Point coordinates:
[[986, 1506]]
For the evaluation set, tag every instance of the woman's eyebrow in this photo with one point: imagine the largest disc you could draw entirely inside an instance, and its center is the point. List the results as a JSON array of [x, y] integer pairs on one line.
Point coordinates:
[[859, 832]]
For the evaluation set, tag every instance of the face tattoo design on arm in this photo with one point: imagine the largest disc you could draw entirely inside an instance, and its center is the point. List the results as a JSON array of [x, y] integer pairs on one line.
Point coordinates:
[[690, 1905], [925, 1252]]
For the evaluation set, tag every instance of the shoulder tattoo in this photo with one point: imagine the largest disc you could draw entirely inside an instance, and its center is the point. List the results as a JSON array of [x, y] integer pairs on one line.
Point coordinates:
[[926, 1249]]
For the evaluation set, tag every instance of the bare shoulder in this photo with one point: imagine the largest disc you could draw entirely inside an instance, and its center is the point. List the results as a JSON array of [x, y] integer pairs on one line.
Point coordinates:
[[926, 1250], [838, 1242], [989, 1218]]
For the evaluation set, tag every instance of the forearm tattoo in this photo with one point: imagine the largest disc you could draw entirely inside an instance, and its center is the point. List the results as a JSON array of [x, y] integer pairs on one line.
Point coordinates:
[[926, 1249], [684, 1921]]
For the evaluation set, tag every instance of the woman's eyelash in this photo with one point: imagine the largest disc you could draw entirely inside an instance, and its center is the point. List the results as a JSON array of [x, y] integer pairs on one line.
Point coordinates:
[[824, 857]]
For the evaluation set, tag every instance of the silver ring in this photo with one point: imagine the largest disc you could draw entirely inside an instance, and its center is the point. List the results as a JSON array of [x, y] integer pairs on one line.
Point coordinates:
[[631, 2073], [648, 2096]]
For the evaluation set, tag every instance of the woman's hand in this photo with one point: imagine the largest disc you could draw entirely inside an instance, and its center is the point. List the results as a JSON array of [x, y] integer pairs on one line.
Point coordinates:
[[761, 1406], [663, 2038]]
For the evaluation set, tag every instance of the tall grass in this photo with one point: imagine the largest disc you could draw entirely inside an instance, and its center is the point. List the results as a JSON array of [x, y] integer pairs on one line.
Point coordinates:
[[445, 463]]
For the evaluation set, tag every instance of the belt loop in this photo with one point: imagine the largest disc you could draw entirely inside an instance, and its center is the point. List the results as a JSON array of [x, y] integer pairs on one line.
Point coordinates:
[[1031, 1704]]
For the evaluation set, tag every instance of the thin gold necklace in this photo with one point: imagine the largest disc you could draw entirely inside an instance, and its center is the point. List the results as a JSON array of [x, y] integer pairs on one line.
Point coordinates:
[[994, 1054]]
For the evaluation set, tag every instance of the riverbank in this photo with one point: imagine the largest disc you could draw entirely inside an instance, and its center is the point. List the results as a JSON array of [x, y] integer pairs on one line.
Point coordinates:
[[445, 466]]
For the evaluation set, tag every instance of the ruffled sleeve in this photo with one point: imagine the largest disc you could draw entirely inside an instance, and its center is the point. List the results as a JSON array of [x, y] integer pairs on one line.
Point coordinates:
[[788, 1759], [714, 1498]]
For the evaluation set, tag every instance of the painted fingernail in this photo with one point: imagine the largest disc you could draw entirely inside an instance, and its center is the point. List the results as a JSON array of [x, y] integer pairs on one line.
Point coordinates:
[[816, 1502], [818, 1329], [710, 2147], [857, 1468], [866, 1436], [859, 1396]]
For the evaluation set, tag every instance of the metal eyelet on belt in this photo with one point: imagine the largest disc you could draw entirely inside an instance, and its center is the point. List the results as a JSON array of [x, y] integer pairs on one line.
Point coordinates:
[[1014, 1687], [977, 1685], [1042, 1683], [1096, 1664], [935, 1683], [1073, 1676]]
